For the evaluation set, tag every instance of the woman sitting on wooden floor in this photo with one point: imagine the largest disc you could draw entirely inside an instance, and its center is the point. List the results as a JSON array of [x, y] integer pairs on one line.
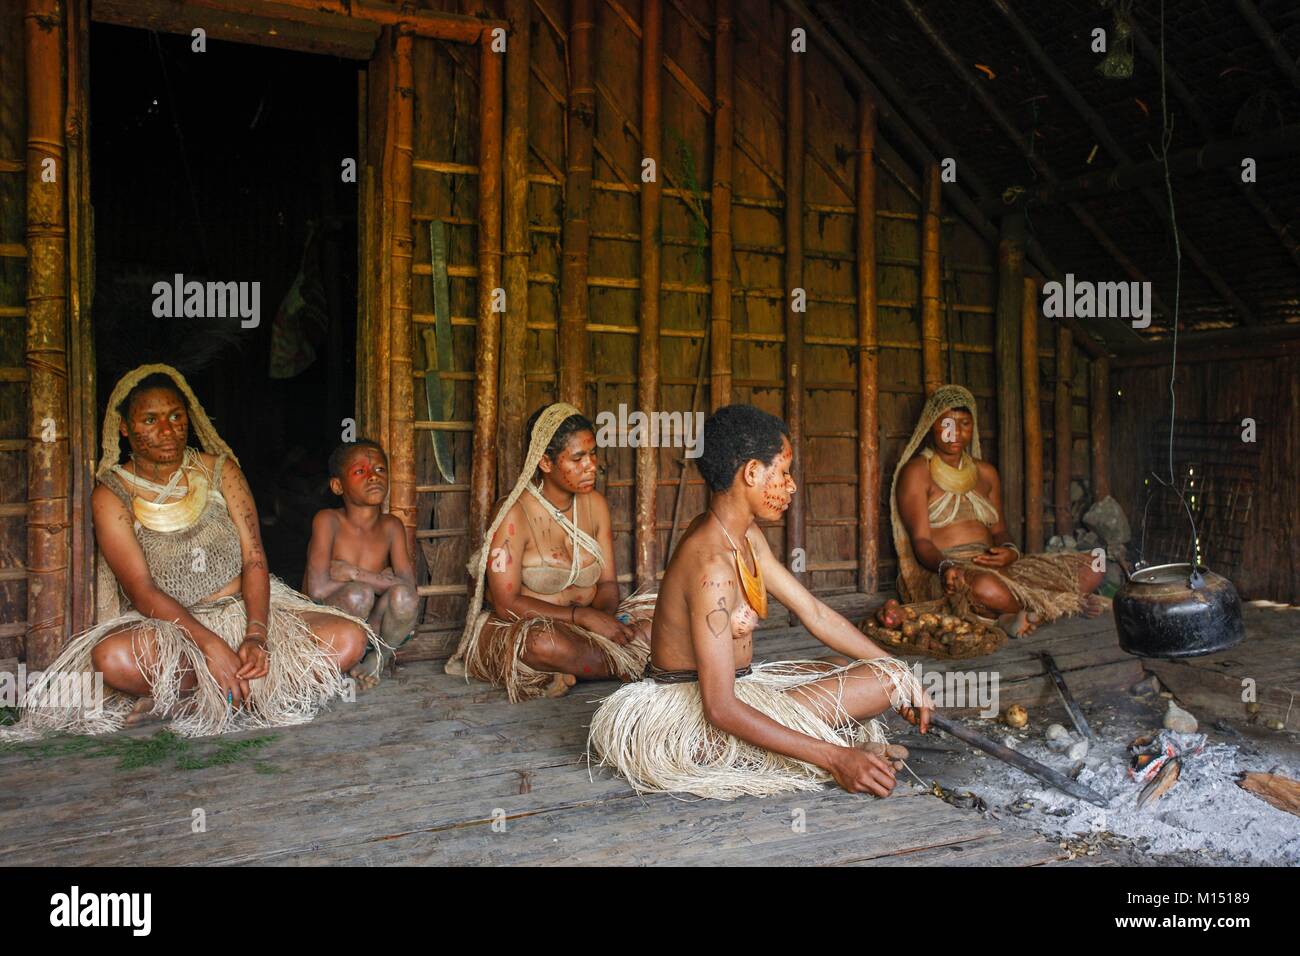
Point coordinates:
[[549, 569], [190, 623], [946, 506]]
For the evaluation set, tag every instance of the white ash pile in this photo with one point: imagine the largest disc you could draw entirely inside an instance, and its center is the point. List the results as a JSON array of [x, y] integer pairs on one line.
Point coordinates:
[[1202, 817]]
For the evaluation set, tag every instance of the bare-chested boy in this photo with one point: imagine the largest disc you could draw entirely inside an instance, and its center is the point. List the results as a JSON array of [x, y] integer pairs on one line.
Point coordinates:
[[357, 559], [709, 721]]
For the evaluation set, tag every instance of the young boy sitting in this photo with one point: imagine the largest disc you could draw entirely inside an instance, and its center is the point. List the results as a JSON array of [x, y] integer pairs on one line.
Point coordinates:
[[357, 559]]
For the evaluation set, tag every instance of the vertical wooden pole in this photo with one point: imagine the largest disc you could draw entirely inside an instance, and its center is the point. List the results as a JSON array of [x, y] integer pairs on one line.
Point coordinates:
[[488, 343], [1063, 429], [46, 348], [794, 365], [931, 336], [868, 355], [651, 250], [515, 322], [81, 351], [1033, 418], [572, 335], [401, 412], [387, 68], [1009, 328], [723, 148], [1099, 415]]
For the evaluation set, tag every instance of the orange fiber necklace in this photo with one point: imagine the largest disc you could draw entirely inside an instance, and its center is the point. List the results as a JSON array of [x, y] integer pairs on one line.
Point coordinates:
[[755, 589]]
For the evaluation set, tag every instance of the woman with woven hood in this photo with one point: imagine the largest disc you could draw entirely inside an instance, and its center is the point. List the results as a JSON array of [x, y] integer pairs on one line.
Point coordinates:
[[548, 567], [707, 719], [951, 536], [190, 624]]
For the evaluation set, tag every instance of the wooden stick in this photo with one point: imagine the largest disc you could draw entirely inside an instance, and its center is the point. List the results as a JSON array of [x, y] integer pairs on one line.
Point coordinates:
[[46, 346], [1063, 430], [488, 343], [1035, 769], [794, 359], [1007, 334], [1033, 417], [81, 357], [932, 359], [686, 462], [1099, 422], [401, 413], [515, 322], [720, 205], [572, 343], [868, 354], [385, 65], [454, 27]]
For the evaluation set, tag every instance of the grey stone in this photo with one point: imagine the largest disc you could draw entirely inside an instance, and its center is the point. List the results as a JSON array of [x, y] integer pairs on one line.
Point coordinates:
[[1055, 543], [1010, 742], [1069, 544], [1078, 750], [1147, 685], [1179, 720], [1055, 732], [1076, 492], [1087, 540], [1108, 520]]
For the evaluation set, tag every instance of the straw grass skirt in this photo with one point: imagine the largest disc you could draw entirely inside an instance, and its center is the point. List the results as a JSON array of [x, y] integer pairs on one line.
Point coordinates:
[[302, 676], [496, 649], [1047, 584], [656, 735]]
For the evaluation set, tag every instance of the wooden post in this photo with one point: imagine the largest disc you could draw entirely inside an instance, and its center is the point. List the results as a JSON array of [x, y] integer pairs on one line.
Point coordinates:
[[1099, 431], [483, 472], [1006, 350], [1063, 430], [386, 66], [645, 543], [515, 323], [720, 206], [868, 355], [931, 356], [48, 471], [794, 149], [1033, 418], [83, 435], [572, 333], [401, 412]]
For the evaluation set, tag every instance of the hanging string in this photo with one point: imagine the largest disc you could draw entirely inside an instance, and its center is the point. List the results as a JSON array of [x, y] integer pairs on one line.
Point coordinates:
[[1166, 137]]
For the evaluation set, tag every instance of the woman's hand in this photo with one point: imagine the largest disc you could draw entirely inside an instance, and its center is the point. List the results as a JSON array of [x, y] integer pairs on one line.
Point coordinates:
[[860, 772], [224, 665], [997, 557], [604, 624], [254, 656], [953, 580], [342, 571]]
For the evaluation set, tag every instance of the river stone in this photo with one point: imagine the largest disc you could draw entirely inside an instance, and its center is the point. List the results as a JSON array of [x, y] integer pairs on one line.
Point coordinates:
[[1108, 520], [1179, 720], [1078, 750]]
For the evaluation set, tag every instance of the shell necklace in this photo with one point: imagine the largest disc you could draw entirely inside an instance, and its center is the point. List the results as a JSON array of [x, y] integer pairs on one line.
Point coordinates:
[[755, 590]]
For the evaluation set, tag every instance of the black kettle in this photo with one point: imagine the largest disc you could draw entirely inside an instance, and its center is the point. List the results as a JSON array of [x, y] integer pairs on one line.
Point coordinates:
[[1175, 610]]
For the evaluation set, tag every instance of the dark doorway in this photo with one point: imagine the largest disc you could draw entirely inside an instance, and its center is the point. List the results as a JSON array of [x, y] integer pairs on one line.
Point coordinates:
[[226, 166]]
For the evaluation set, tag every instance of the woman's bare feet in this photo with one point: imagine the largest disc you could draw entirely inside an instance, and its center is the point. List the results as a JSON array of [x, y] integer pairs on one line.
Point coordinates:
[[560, 685], [367, 672], [142, 713], [1020, 624], [1094, 605]]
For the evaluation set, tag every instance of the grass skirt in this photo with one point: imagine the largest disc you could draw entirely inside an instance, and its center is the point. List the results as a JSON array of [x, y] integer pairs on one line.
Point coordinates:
[[1047, 584], [495, 652], [657, 737], [302, 675]]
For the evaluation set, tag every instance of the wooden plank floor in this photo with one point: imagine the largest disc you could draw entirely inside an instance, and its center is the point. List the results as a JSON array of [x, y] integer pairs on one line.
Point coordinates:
[[1269, 657], [418, 770]]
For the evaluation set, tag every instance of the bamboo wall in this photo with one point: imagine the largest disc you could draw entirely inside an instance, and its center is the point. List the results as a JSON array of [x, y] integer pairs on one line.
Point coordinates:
[[1265, 387], [608, 341], [13, 293], [591, 243]]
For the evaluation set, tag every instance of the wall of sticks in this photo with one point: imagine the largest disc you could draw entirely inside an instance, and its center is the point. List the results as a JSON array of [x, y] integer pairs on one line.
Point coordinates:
[[670, 294]]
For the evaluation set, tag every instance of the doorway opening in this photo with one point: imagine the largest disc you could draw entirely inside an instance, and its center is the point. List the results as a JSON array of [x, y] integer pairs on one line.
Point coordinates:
[[226, 166]]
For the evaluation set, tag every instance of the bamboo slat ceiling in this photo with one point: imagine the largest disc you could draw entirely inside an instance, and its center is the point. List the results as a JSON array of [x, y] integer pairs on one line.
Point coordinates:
[[1237, 89]]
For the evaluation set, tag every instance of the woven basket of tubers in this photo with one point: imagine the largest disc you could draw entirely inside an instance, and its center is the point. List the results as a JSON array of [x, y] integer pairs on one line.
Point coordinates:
[[929, 629]]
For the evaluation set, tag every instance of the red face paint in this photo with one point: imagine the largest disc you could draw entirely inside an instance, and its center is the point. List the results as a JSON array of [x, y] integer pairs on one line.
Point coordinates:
[[365, 476]]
